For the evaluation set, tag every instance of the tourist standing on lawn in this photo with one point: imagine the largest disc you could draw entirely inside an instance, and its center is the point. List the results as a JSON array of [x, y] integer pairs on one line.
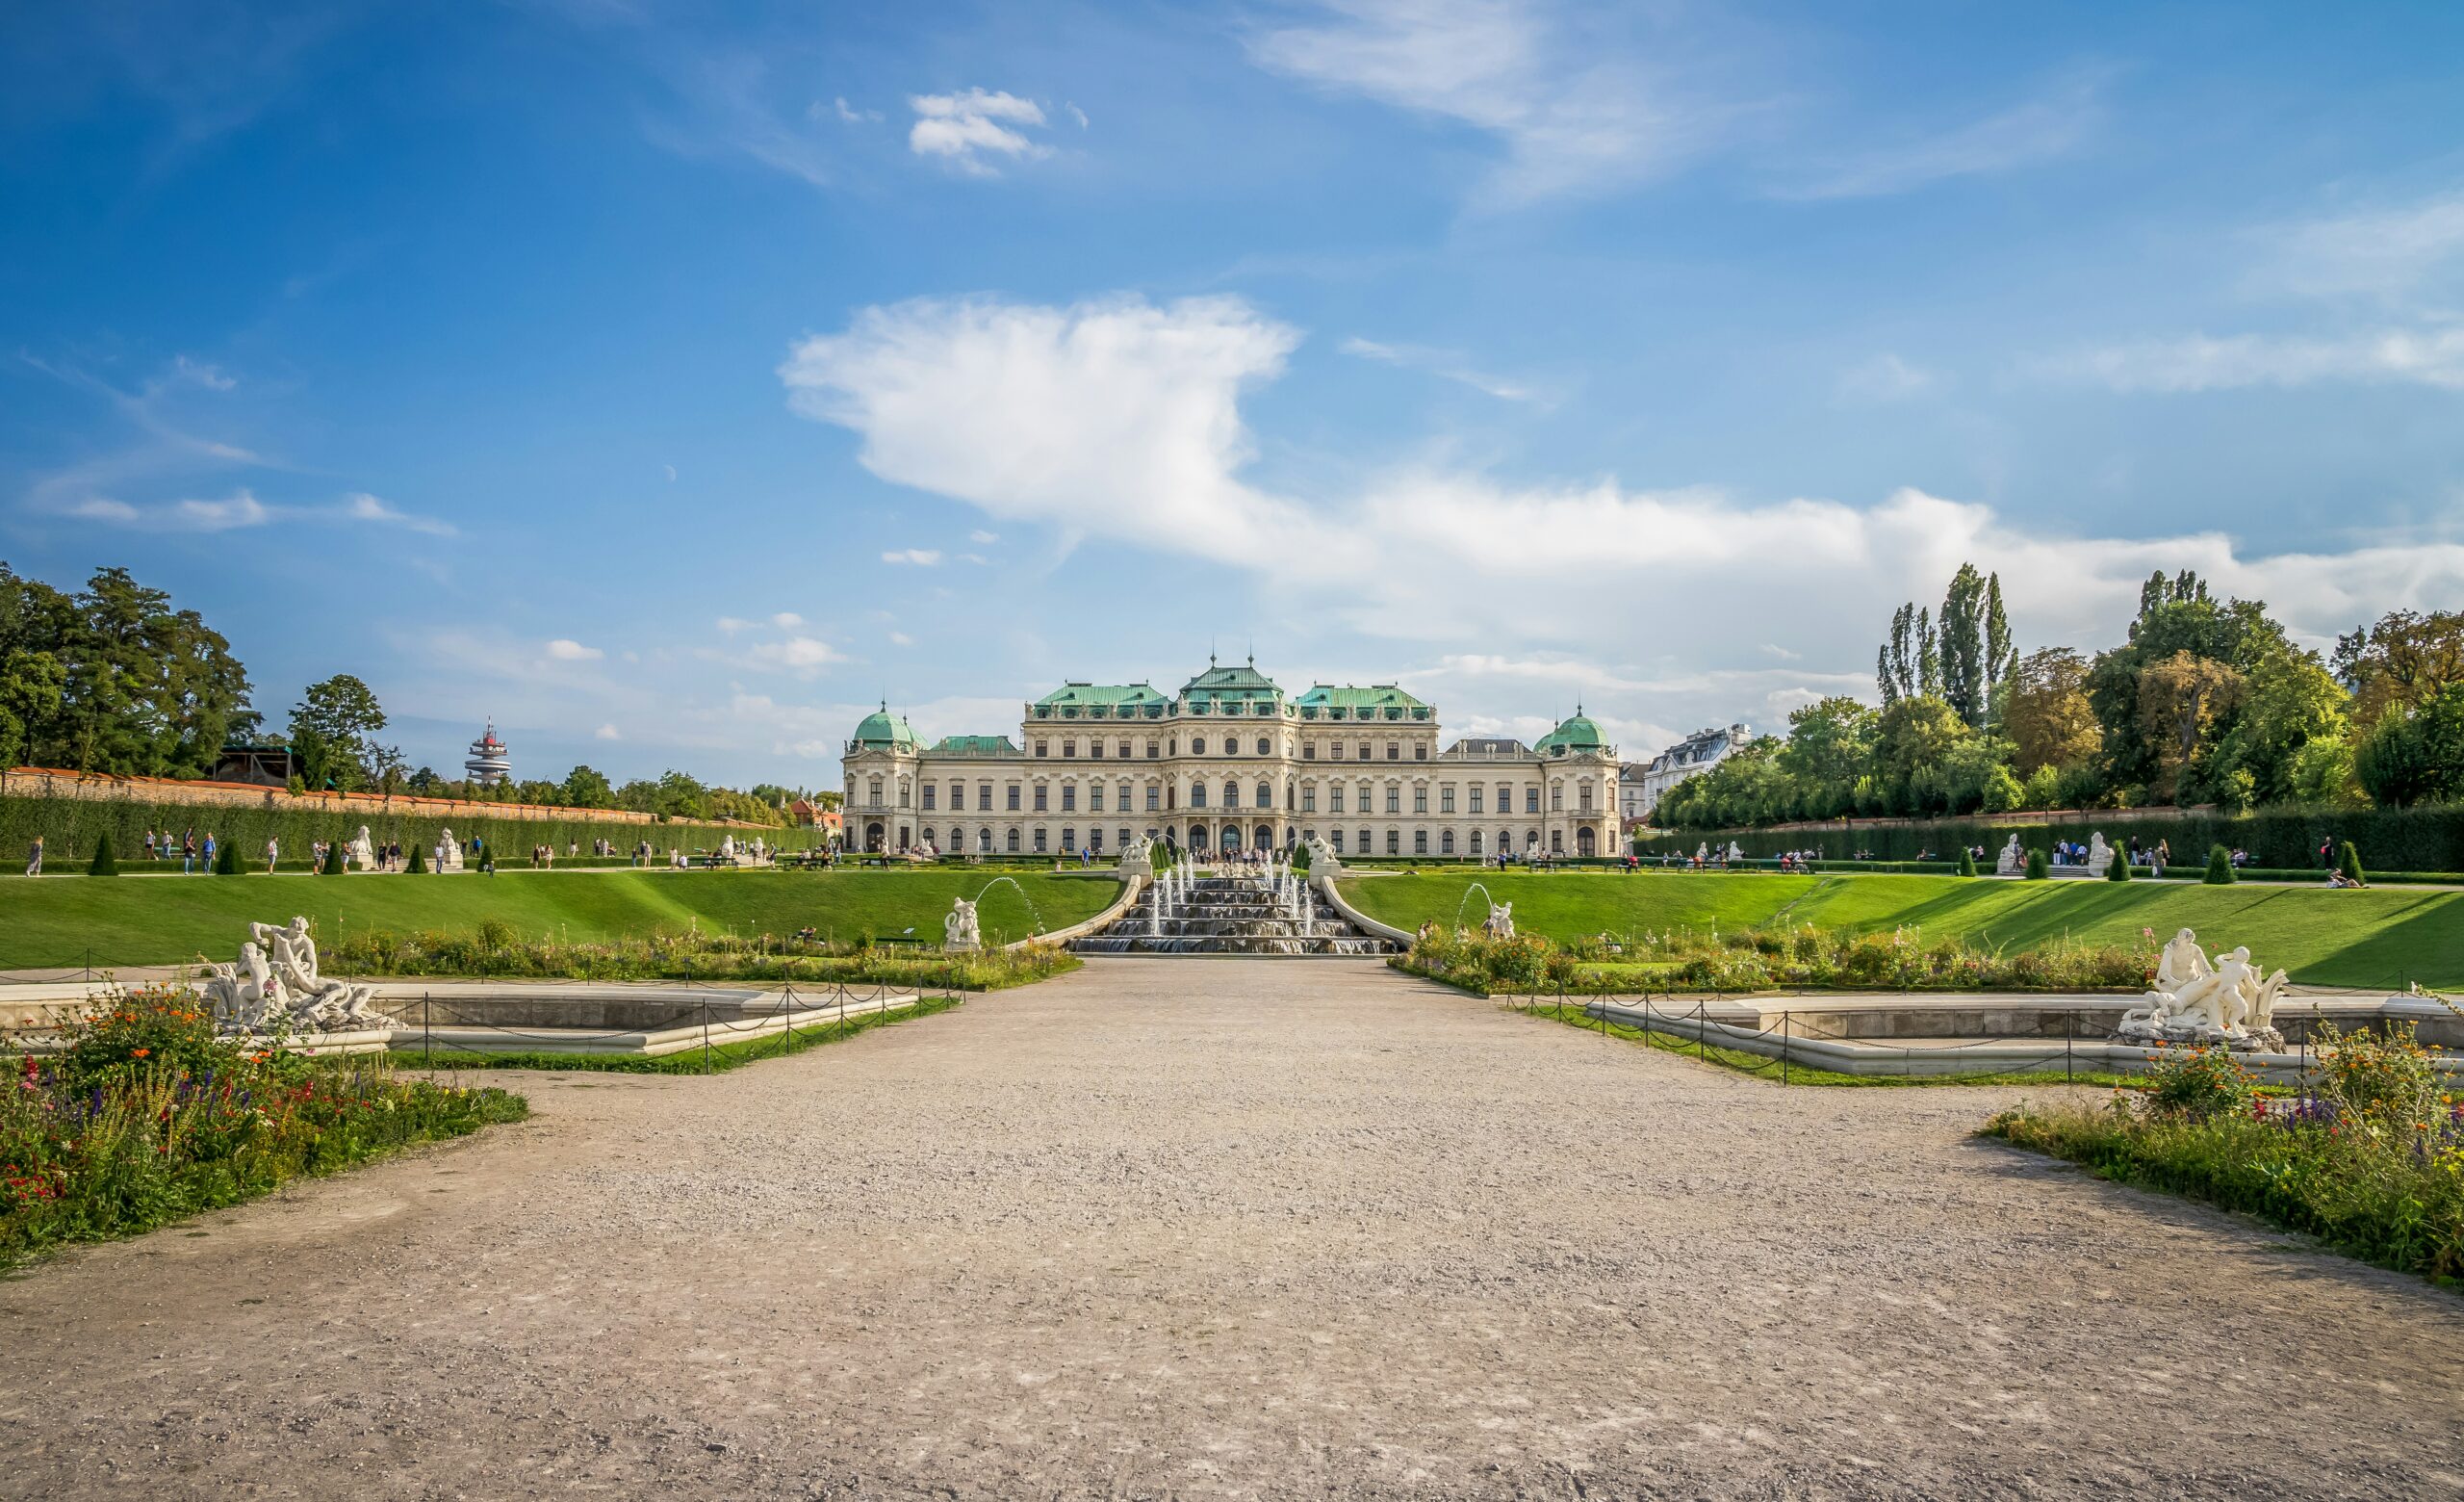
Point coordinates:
[[149, 842], [273, 853], [209, 849], [188, 850], [33, 857]]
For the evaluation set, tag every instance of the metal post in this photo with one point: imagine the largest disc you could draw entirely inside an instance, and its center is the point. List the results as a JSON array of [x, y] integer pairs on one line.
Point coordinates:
[[706, 1037], [428, 1034], [2069, 1031], [1702, 1034], [1783, 1045]]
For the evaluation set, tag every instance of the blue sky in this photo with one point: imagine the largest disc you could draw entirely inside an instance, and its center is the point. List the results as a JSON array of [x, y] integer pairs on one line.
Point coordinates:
[[672, 381]]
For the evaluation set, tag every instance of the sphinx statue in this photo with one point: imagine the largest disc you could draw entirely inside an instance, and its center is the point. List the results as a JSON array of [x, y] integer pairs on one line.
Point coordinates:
[[448, 850], [2012, 860], [363, 850]]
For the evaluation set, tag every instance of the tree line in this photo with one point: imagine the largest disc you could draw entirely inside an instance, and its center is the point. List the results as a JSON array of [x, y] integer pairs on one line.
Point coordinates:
[[111, 679], [2203, 702]]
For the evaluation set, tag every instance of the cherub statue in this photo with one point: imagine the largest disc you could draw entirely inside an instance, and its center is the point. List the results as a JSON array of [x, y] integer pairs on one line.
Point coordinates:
[[1499, 922], [958, 929]]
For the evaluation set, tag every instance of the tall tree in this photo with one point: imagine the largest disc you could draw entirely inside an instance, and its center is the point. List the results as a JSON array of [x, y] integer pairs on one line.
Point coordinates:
[[2179, 699], [2046, 712], [2403, 660], [334, 729], [1965, 672], [1929, 658], [2001, 658]]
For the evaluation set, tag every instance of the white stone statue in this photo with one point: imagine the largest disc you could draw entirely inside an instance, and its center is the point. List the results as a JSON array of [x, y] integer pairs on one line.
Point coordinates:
[[448, 851], [2194, 1001], [1702, 852], [727, 848], [958, 931], [1500, 924], [1736, 856], [2012, 860], [363, 851], [2100, 855], [274, 987]]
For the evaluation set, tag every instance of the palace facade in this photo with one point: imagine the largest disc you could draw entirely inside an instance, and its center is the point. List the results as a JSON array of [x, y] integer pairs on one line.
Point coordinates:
[[1231, 761]]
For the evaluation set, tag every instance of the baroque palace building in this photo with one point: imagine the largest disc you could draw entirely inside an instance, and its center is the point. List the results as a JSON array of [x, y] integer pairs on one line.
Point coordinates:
[[1230, 763]]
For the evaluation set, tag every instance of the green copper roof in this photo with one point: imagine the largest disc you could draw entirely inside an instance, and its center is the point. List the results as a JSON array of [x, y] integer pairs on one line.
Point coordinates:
[[1103, 693], [882, 728], [1219, 685], [1576, 734], [976, 746]]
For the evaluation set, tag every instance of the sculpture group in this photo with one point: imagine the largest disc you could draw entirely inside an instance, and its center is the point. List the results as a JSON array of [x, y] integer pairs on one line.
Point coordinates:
[[2196, 1002], [1500, 924], [273, 987], [959, 932]]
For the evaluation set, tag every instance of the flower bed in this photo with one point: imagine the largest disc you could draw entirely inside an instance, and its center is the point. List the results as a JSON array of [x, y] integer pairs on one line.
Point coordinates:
[[2372, 1163], [146, 1117], [495, 949], [1800, 958]]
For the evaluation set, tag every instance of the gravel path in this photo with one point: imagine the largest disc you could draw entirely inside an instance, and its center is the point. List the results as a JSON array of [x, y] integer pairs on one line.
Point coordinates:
[[1195, 1228]]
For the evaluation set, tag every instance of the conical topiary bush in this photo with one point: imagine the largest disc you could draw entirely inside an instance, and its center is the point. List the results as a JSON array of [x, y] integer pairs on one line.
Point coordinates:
[[1968, 861], [104, 863], [226, 859], [2039, 867], [418, 860], [2220, 867], [2349, 863], [2119, 870]]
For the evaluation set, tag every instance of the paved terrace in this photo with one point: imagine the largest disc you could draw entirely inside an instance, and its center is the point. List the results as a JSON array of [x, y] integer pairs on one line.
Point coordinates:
[[1220, 1228]]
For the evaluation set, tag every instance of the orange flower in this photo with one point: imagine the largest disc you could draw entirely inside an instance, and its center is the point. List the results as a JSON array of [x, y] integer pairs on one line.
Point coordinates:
[[139, 1052]]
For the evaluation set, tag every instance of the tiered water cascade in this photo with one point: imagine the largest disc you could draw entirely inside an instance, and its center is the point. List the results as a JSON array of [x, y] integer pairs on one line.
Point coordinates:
[[1267, 911]]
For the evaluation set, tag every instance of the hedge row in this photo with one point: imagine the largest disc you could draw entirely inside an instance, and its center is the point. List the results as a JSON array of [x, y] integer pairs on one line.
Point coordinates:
[[75, 824], [2391, 839]]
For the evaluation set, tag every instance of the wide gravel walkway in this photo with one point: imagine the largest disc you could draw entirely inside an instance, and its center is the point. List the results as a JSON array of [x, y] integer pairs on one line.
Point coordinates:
[[1192, 1227]]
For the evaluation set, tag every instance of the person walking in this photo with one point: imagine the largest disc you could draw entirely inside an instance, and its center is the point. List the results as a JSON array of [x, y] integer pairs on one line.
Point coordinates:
[[33, 857], [209, 849], [2162, 857], [273, 854], [188, 851]]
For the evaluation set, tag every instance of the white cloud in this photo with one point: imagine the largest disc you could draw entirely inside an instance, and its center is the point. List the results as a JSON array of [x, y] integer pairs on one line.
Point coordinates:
[[564, 649], [2040, 130], [962, 127], [210, 376], [2389, 253], [730, 625], [671, 473], [607, 733], [1122, 420], [787, 620], [364, 507], [1441, 363], [1568, 94], [900, 639], [1885, 377], [1076, 114], [983, 538], [846, 111], [236, 511], [921, 557], [802, 654], [2433, 356]]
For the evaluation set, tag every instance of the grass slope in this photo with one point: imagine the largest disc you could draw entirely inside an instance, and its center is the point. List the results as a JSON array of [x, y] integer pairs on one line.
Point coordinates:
[[58, 922], [2380, 936]]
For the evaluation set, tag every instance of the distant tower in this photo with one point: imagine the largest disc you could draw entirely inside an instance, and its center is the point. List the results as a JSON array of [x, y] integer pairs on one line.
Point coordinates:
[[488, 766]]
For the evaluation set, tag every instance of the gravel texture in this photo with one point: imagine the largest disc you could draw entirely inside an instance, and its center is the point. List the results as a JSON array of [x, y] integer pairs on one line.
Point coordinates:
[[1202, 1228]]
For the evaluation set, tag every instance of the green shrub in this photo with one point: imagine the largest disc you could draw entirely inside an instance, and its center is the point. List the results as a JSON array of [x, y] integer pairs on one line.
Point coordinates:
[[2220, 867], [1968, 861], [2119, 870], [2349, 863], [158, 1026], [103, 863], [418, 865], [2199, 1084], [2387, 1091], [2039, 867], [226, 858]]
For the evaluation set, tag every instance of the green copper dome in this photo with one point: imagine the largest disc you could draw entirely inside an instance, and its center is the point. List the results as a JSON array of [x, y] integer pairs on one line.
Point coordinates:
[[1576, 734], [882, 728]]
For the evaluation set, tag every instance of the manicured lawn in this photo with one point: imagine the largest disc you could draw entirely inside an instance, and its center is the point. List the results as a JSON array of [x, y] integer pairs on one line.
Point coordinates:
[[2379, 937], [162, 920]]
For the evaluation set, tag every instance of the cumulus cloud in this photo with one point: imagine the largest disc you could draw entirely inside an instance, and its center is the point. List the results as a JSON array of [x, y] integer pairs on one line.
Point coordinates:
[[607, 733], [921, 557], [963, 128], [564, 649], [1122, 420]]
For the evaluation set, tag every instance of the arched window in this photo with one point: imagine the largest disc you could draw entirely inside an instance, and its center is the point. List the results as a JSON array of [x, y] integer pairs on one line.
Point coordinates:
[[1040, 845], [1231, 793], [1476, 842], [1014, 842], [1264, 796], [1262, 745], [1446, 842], [1197, 796], [1585, 842], [983, 840], [1339, 841]]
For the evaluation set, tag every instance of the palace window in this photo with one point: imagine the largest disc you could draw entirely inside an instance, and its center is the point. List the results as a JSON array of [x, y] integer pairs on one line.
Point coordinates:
[[1069, 797], [1419, 841], [1446, 842], [1309, 799], [1364, 750], [983, 840], [1264, 797], [984, 798], [1420, 751], [1013, 801], [1152, 751], [1557, 797], [1335, 797], [1262, 745], [1309, 751], [1446, 798], [1506, 798], [1042, 795], [1197, 745], [1394, 801], [1014, 842], [1039, 839], [1420, 800], [1124, 750], [1477, 790], [1068, 839], [1476, 842], [1334, 750], [957, 799], [1198, 794], [903, 792], [1531, 799], [1339, 841], [1039, 748], [1557, 841], [1095, 798], [1069, 748], [1582, 796], [1151, 791], [928, 797], [877, 792], [1394, 750], [1095, 749], [1394, 842]]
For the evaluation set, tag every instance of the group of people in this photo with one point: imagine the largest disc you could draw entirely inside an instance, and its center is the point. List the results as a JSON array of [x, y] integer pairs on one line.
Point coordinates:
[[2158, 856], [194, 855]]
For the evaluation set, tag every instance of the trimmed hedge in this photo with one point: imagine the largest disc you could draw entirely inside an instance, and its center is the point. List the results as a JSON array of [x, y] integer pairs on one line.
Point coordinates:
[[2425, 839], [69, 824]]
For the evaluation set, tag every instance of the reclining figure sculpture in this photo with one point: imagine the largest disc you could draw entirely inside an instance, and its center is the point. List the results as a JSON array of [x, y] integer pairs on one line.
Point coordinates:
[[274, 986]]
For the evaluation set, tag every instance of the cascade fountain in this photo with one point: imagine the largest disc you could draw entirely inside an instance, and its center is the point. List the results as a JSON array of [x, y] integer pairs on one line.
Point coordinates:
[[1271, 912]]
